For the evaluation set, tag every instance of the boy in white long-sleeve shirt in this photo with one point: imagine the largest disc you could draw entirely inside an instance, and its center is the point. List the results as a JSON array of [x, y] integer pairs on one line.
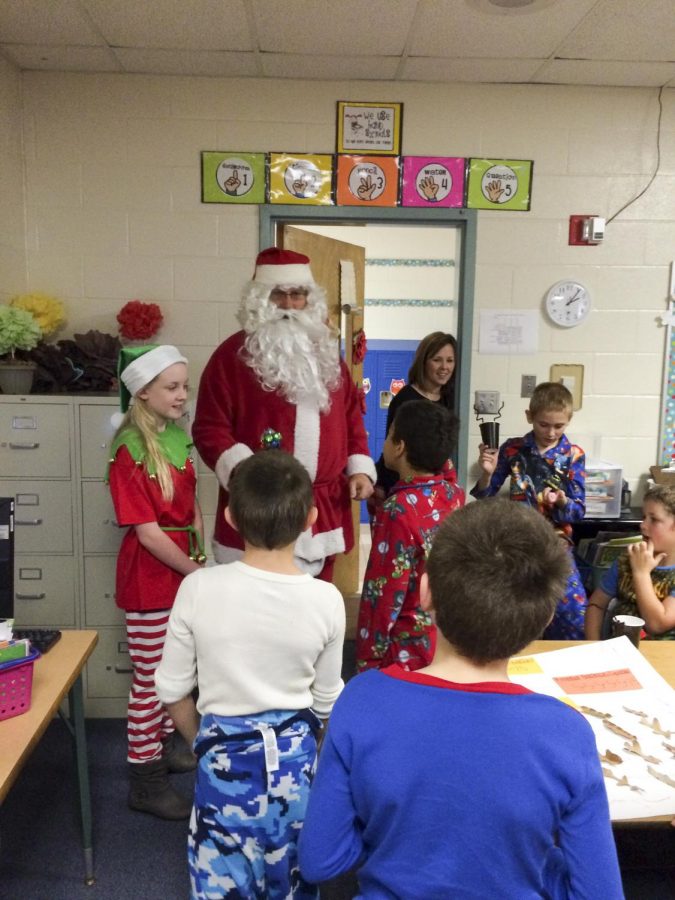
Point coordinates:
[[263, 643]]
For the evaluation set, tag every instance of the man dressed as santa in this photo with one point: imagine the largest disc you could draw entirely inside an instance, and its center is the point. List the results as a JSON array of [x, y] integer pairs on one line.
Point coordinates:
[[280, 382]]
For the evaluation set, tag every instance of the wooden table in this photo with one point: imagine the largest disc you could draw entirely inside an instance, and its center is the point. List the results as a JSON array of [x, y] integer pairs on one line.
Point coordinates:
[[659, 654], [55, 674]]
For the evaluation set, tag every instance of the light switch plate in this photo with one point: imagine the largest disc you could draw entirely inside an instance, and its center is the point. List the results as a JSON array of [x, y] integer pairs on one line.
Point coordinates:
[[572, 376]]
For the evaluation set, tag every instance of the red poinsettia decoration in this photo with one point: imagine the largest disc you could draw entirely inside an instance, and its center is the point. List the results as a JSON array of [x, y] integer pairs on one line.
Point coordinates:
[[139, 321], [359, 346]]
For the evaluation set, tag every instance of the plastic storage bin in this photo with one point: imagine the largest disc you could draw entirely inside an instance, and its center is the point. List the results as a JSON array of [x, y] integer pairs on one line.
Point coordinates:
[[603, 489], [16, 685]]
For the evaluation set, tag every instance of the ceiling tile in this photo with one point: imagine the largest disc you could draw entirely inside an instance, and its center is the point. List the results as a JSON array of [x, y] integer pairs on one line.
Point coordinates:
[[167, 24], [358, 27], [501, 71], [62, 59], [451, 28], [619, 74], [353, 68], [187, 62], [625, 30], [45, 22]]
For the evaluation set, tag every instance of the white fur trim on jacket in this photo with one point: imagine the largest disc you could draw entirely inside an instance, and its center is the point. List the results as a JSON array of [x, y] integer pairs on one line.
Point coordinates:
[[360, 464], [307, 436], [228, 460]]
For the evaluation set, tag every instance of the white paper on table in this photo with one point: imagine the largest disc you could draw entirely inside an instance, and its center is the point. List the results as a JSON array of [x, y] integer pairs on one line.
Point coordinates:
[[512, 331], [609, 676]]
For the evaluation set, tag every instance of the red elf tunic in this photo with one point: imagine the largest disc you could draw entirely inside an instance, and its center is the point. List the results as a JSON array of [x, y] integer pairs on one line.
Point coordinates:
[[143, 582]]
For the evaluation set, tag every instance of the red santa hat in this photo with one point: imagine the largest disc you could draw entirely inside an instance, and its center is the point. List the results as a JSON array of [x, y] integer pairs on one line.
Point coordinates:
[[276, 266]]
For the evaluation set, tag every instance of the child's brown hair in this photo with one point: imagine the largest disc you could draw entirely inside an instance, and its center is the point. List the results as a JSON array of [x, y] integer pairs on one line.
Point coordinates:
[[496, 572], [663, 494], [551, 395]]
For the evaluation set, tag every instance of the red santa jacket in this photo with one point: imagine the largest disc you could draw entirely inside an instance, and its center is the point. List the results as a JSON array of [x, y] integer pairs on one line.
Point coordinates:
[[233, 413]]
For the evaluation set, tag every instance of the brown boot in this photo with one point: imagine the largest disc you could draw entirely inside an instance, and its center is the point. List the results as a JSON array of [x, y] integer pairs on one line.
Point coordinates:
[[178, 761], [151, 792]]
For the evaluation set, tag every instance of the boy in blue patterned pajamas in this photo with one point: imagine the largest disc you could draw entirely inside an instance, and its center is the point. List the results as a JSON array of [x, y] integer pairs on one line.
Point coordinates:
[[263, 643], [547, 473]]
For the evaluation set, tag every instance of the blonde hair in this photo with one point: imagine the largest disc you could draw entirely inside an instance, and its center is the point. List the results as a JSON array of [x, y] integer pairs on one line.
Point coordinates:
[[663, 494], [551, 395], [138, 416]]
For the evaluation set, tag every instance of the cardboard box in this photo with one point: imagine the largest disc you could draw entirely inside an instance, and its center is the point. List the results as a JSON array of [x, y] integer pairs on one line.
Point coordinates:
[[661, 475]]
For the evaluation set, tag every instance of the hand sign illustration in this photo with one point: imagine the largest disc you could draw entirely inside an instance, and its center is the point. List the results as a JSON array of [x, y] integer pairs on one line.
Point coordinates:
[[428, 187], [494, 191], [366, 188]]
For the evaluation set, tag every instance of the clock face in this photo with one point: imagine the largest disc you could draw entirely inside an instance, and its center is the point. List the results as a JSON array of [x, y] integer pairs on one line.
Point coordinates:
[[568, 303]]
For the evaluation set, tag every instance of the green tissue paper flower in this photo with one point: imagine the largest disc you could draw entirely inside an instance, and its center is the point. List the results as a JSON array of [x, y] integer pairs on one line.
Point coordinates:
[[18, 330]]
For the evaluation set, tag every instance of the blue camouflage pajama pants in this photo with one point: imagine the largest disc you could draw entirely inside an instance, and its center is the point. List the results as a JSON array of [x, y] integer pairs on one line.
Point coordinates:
[[249, 807]]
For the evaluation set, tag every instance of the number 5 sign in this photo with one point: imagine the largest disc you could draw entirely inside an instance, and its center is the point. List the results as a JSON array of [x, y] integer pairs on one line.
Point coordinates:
[[499, 184]]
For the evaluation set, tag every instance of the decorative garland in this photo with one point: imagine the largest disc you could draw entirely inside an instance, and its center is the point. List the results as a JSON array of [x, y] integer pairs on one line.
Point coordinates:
[[393, 261], [359, 347], [401, 302]]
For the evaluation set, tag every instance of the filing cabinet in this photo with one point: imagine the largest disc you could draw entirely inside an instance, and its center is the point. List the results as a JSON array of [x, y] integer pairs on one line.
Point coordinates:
[[53, 456]]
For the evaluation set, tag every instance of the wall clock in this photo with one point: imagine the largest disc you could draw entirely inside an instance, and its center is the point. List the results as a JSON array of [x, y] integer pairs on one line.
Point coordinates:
[[568, 303]]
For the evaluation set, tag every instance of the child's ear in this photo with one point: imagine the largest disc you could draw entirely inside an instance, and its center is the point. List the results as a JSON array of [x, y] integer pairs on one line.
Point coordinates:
[[228, 518], [311, 517], [528, 415], [426, 600]]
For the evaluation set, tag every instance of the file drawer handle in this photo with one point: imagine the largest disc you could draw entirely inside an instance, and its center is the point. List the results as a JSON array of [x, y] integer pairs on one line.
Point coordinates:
[[30, 596], [28, 521], [111, 522], [123, 670], [27, 445]]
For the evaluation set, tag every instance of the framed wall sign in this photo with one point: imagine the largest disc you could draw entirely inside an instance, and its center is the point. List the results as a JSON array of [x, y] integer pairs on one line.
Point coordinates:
[[373, 128], [367, 180], [305, 178], [433, 181], [231, 177], [499, 184]]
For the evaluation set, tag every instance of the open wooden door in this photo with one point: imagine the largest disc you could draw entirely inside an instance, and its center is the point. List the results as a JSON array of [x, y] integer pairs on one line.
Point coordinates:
[[340, 269]]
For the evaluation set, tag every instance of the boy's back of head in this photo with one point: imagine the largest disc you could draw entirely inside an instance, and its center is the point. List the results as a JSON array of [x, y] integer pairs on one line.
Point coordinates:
[[496, 572], [429, 432], [551, 395], [270, 499]]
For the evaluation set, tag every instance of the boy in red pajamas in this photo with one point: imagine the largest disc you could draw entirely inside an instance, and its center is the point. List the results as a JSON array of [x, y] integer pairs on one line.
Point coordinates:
[[392, 627]]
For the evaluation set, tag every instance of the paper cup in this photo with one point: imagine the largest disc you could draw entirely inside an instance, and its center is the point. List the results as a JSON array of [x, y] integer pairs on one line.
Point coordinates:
[[489, 433], [631, 626]]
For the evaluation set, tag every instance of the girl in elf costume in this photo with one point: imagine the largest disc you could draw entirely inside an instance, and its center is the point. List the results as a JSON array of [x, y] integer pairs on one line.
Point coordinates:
[[152, 482]]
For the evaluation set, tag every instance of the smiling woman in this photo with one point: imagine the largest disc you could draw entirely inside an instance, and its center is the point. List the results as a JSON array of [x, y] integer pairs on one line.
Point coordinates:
[[431, 377]]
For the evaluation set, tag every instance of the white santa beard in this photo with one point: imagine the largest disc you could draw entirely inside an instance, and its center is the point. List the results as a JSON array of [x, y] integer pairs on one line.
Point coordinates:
[[292, 351]]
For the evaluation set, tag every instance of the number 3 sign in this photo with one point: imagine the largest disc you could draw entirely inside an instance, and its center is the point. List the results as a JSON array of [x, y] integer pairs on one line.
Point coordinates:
[[367, 180]]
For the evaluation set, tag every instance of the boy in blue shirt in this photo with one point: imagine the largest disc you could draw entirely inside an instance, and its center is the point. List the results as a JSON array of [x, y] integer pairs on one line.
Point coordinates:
[[451, 781], [546, 472]]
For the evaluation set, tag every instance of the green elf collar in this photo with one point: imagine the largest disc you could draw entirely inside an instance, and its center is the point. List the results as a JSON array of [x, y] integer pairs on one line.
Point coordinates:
[[173, 441]]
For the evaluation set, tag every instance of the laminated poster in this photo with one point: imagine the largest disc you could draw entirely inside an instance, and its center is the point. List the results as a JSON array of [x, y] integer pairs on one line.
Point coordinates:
[[631, 710], [499, 184], [304, 178], [433, 181], [232, 177], [367, 180]]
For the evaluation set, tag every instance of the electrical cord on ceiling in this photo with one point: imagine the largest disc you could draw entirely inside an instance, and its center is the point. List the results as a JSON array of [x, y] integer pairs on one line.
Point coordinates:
[[658, 161]]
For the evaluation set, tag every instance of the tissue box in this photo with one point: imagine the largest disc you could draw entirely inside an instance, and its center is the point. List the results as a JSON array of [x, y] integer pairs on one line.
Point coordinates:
[[603, 489], [661, 475]]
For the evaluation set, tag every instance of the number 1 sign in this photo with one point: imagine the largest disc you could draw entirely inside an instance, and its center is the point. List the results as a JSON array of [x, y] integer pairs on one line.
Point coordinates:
[[229, 177]]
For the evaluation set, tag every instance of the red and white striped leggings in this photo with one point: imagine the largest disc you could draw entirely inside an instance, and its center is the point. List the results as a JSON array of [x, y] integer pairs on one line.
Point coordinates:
[[147, 719]]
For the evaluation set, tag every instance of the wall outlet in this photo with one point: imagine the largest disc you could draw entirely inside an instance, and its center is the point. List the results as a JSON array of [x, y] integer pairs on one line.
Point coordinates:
[[487, 402], [527, 385]]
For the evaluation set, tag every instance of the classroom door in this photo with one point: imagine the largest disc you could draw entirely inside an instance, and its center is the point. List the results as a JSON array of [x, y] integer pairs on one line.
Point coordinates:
[[340, 269]]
